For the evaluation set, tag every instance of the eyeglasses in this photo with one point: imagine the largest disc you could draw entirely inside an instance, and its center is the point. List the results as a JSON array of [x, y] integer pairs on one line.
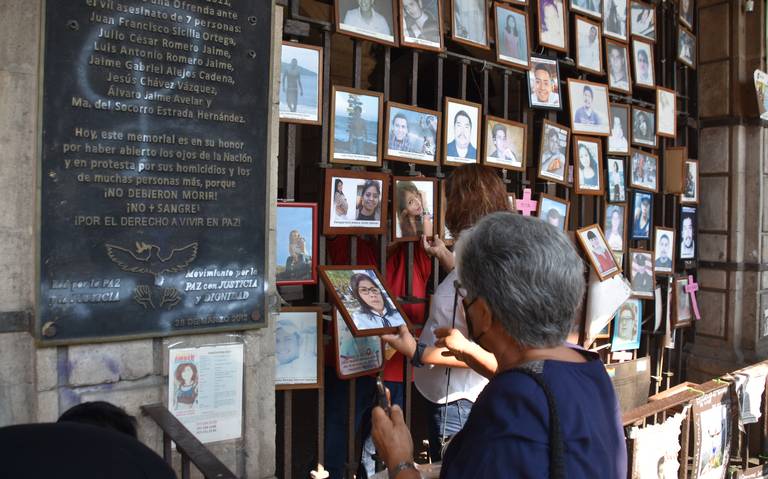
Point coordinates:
[[374, 291]]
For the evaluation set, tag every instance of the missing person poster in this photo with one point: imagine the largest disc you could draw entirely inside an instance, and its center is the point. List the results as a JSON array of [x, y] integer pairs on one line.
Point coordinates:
[[205, 390]]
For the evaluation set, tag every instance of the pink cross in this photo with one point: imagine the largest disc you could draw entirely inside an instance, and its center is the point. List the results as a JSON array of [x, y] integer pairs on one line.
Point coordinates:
[[691, 289], [526, 205]]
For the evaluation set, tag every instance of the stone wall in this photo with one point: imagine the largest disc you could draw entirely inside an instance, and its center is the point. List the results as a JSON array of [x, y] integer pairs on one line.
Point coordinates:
[[38, 384]]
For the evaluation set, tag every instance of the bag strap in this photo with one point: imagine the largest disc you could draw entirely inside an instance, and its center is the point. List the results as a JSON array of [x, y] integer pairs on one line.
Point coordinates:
[[556, 447]]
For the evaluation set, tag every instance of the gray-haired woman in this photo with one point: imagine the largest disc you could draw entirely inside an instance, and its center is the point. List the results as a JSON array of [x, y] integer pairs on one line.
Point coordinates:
[[551, 407]]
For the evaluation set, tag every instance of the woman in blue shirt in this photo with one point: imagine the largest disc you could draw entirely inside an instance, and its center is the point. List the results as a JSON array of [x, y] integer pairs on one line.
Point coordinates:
[[550, 408]]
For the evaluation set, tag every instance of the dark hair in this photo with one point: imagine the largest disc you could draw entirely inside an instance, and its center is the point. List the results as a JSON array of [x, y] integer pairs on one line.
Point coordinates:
[[498, 127], [553, 132], [354, 283], [462, 113], [368, 184], [471, 192], [642, 55], [101, 414], [542, 67], [587, 88], [336, 185], [400, 115], [591, 235], [405, 225], [181, 367], [542, 5]]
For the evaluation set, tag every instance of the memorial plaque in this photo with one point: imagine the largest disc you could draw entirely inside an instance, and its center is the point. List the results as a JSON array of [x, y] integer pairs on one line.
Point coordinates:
[[153, 200]]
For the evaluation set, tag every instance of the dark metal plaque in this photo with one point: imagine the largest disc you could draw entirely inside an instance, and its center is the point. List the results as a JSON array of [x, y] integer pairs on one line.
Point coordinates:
[[153, 170]]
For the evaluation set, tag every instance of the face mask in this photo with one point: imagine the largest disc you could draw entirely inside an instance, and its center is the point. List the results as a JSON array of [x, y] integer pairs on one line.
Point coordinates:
[[470, 328]]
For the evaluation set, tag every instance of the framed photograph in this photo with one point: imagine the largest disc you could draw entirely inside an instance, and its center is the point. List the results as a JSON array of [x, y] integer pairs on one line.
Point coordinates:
[[618, 142], [367, 20], [588, 168], [299, 348], [686, 13], [643, 127], [641, 273], [674, 168], [690, 195], [617, 191], [513, 43], [511, 198], [355, 202], [504, 145], [355, 126], [615, 19], [682, 316], [552, 25], [643, 20], [589, 107], [544, 83], [589, 7], [615, 226], [597, 250], [645, 171], [617, 55], [666, 112], [642, 215], [421, 24], [688, 232], [664, 251], [469, 23], [554, 211], [461, 125], [301, 79], [356, 357], [589, 46], [627, 326], [712, 419], [296, 249], [686, 47], [553, 156], [604, 333], [413, 208], [412, 134], [642, 58], [363, 300], [444, 232]]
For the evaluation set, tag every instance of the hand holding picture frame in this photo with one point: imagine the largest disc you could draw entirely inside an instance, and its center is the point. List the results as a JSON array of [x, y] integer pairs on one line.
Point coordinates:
[[504, 145], [589, 108], [596, 248], [461, 131], [355, 202], [372, 21], [553, 156], [296, 249], [355, 357], [413, 208], [412, 134], [363, 300], [356, 126], [301, 79], [299, 348], [588, 165]]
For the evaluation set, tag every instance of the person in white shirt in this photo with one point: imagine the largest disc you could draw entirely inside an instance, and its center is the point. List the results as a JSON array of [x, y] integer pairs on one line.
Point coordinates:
[[365, 18]]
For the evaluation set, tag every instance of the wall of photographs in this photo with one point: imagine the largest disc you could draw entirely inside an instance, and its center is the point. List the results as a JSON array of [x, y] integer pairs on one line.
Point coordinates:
[[582, 107]]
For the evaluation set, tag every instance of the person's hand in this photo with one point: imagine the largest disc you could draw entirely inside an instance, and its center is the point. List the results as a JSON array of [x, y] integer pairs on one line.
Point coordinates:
[[403, 341], [391, 436], [437, 248], [455, 342]]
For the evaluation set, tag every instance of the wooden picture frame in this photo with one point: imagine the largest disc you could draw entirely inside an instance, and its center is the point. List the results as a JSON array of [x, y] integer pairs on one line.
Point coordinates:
[[575, 7], [647, 256], [486, 43], [295, 277], [638, 30], [449, 122], [356, 32], [613, 196], [643, 80], [648, 116], [683, 14], [597, 113], [545, 38], [639, 172], [617, 84], [541, 67], [608, 223], [688, 253], [586, 236], [422, 43], [445, 234], [428, 206], [682, 314], [581, 143], [674, 168], [294, 116], [549, 132], [544, 213], [690, 172], [318, 384], [621, 36], [661, 266], [683, 39], [501, 56], [580, 23], [495, 124], [622, 342], [368, 348], [619, 145], [341, 223], [636, 230], [662, 94], [351, 158], [424, 115], [337, 280]]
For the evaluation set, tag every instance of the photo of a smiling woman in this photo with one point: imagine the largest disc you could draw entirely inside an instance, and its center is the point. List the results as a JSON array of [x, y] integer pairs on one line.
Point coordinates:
[[413, 209], [376, 311], [369, 201]]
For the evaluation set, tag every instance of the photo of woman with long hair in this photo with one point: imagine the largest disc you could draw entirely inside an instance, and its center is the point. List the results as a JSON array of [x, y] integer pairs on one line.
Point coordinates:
[[369, 201], [376, 311], [186, 386], [413, 208]]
